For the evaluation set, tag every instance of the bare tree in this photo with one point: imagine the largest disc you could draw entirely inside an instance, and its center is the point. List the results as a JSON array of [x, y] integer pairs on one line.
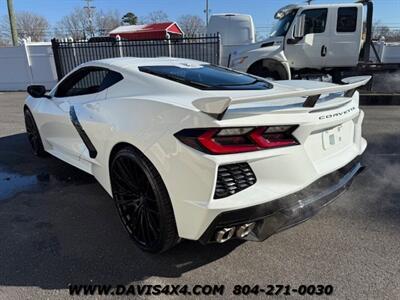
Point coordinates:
[[32, 25], [3, 43], [105, 22], [77, 25], [191, 25], [29, 25], [157, 16], [379, 30]]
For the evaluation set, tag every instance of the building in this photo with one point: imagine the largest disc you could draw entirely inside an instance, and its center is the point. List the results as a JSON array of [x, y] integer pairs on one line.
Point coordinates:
[[155, 31]]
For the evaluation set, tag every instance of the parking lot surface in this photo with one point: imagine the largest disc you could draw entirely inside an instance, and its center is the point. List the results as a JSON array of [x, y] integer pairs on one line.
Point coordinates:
[[58, 226]]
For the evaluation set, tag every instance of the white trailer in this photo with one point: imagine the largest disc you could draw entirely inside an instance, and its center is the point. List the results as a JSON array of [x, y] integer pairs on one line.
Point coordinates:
[[307, 40]]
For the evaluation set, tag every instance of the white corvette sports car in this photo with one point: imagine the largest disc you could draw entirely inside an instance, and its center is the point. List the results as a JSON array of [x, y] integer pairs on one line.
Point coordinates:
[[195, 151]]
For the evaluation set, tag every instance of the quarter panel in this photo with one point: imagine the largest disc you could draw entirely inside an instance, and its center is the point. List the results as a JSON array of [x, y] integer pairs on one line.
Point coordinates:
[[149, 126]]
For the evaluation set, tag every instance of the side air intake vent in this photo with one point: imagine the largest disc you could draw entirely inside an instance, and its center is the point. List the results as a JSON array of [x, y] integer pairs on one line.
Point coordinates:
[[233, 179]]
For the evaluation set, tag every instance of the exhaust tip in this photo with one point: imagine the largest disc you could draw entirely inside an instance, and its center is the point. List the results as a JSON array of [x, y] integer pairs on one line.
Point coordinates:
[[245, 229], [224, 234]]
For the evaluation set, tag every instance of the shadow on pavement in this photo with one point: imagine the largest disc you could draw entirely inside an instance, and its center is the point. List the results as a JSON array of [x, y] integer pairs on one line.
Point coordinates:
[[58, 226]]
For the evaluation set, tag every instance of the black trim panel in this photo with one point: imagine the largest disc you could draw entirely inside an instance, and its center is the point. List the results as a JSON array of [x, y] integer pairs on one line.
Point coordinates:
[[311, 101], [280, 214], [233, 178], [350, 93], [74, 119], [218, 116]]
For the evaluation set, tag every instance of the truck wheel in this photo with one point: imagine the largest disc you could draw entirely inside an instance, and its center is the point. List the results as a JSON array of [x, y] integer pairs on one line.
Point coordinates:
[[268, 69], [142, 201], [337, 77]]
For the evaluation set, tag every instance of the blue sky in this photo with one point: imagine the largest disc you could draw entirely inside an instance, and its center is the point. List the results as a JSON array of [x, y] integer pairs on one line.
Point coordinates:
[[387, 11]]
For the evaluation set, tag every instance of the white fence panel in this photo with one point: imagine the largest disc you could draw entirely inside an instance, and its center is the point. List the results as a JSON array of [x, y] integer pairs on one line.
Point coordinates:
[[31, 63]]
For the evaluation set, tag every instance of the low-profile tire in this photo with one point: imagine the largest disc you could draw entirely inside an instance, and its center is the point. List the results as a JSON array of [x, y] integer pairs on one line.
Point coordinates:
[[337, 77], [273, 70], [33, 134], [142, 201]]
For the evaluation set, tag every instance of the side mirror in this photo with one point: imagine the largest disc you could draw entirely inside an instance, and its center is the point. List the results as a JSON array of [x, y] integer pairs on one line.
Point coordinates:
[[37, 91], [299, 27]]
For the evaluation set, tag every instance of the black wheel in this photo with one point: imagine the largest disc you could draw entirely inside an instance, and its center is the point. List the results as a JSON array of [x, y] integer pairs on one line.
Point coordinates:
[[142, 201], [260, 71], [337, 77], [272, 70], [33, 134]]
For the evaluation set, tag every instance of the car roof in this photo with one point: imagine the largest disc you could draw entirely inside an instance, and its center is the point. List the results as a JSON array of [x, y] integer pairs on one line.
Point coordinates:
[[132, 63]]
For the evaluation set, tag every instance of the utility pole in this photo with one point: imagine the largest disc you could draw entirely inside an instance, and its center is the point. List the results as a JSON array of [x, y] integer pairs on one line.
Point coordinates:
[[13, 26], [207, 11], [90, 10]]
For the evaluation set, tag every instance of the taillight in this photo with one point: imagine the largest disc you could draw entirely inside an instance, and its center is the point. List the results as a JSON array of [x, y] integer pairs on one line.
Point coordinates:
[[239, 139]]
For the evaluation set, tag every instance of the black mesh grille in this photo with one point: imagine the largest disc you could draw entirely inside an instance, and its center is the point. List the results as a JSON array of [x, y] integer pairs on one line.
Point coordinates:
[[233, 179]]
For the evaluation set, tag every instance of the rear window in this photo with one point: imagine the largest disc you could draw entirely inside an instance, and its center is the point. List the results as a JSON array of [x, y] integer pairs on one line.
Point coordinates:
[[208, 77], [347, 19]]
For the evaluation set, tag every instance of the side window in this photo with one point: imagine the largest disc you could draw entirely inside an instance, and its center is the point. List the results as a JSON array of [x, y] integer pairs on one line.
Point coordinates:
[[88, 80], [315, 20], [88, 84], [110, 79], [347, 19]]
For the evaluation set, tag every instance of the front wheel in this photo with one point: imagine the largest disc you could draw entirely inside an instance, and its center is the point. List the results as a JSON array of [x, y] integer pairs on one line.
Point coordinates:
[[337, 77], [268, 69], [142, 201]]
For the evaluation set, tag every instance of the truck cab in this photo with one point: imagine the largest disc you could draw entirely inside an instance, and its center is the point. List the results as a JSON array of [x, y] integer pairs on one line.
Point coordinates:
[[305, 37], [325, 36]]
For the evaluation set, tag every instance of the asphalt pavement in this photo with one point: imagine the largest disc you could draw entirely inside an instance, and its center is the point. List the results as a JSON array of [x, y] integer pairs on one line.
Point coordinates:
[[58, 226]]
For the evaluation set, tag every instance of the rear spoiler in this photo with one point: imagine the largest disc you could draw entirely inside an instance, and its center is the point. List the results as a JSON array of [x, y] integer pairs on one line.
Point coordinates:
[[217, 106]]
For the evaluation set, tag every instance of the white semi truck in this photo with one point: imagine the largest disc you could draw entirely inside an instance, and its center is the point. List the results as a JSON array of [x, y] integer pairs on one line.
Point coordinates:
[[307, 40]]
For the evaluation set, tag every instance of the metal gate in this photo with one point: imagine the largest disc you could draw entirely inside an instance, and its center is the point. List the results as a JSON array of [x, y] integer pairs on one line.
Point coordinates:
[[69, 54]]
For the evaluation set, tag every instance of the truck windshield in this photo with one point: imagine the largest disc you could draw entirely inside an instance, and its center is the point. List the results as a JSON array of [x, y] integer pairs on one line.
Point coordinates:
[[208, 77], [283, 24]]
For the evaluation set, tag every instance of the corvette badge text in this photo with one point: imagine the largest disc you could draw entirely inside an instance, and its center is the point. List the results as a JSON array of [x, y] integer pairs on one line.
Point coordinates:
[[339, 114]]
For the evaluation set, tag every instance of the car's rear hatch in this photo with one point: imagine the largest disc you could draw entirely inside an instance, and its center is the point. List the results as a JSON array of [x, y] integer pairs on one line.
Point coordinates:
[[328, 116]]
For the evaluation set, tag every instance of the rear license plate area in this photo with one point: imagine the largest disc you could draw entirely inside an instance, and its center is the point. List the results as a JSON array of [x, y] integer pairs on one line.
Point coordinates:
[[332, 137]]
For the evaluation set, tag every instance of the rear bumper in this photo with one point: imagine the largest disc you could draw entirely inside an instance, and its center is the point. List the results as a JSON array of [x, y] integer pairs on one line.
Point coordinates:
[[277, 215]]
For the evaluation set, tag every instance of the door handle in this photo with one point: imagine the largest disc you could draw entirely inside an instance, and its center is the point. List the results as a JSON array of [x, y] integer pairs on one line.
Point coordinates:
[[323, 50]]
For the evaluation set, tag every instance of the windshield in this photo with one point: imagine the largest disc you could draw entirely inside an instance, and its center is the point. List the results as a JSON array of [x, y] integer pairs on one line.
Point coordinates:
[[208, 77], [283, 24]]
